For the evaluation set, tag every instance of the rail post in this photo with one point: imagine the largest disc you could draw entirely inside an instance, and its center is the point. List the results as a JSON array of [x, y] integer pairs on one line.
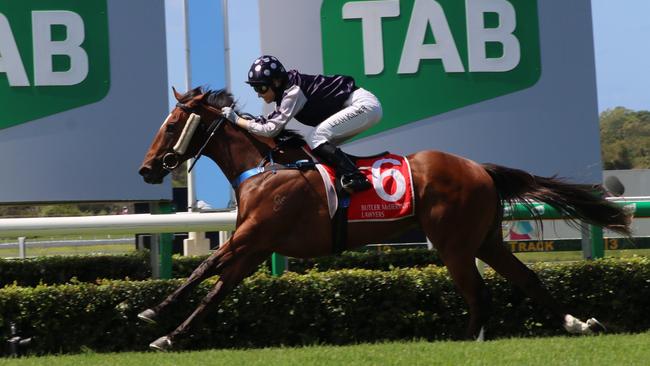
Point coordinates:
[[164, 245], [278, 264], [22, 250], [585, 241], [597, 242]]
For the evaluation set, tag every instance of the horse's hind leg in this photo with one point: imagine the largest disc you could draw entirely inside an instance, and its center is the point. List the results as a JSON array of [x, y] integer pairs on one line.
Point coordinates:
[[496, 255], [469, 282], [457, 235], [456, 249]]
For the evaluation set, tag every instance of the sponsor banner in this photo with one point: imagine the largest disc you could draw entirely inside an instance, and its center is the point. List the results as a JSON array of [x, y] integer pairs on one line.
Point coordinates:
[[562, 245], [54, 56], [423, 57]]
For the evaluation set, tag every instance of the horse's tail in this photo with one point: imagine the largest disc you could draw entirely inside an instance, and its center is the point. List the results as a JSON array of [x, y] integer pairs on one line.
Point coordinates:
[[578, 202]]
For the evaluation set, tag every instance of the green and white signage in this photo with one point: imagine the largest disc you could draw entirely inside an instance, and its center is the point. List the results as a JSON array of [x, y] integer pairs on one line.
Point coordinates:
[[426, 57], [54, 56]]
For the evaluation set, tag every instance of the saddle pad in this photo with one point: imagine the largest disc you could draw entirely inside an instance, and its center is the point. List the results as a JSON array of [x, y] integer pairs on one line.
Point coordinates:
[[391, 197]]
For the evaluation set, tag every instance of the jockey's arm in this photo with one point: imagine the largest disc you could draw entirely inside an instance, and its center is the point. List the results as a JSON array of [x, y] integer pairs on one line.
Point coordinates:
[[292, 102]]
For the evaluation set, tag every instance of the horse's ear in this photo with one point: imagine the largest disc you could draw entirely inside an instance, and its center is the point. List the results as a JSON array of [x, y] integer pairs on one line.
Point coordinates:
[[205, 95], [177, 95]]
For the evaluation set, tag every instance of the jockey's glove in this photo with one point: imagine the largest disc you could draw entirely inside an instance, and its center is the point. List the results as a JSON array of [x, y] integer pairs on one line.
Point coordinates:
[[232, 116], [229, 114]]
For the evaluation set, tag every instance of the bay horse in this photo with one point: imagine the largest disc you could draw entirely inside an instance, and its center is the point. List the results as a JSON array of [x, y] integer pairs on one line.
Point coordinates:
[[458, 205]]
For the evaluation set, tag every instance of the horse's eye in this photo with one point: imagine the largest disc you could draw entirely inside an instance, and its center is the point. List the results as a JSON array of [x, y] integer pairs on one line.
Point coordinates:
[[170, 127]]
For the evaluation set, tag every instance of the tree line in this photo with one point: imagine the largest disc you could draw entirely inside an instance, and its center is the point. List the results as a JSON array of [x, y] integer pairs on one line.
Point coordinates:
[[625, 139], [65, 209]]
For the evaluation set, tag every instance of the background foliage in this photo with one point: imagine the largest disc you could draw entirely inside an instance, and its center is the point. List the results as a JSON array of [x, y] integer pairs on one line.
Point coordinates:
[[625, 139]]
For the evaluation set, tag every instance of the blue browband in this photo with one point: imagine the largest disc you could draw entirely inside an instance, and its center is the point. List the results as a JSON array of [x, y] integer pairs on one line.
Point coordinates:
[[300, 164]]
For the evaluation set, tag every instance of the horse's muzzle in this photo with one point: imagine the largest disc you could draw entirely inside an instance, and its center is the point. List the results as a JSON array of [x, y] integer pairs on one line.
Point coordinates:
[[149, 177]]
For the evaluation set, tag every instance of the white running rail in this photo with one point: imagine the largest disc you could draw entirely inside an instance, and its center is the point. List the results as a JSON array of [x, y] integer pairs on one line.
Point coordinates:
[[119, 224]]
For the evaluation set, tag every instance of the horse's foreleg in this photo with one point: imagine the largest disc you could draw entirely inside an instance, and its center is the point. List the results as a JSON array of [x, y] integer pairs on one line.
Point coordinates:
[[208, 268], [240, 266]]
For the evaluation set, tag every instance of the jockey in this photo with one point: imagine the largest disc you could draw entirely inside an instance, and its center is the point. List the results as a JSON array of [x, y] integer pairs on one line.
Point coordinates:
[[334, 105]]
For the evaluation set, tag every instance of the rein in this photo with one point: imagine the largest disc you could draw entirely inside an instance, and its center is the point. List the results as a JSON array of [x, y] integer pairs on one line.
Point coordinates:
[[214, 126], [211, 130]]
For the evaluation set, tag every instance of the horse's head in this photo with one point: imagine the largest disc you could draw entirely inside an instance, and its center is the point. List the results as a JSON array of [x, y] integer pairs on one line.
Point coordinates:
[[183, 133]]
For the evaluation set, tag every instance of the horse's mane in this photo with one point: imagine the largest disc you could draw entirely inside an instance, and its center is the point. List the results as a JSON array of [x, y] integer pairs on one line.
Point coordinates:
[[215, 98], [222, 98], [290, 138]]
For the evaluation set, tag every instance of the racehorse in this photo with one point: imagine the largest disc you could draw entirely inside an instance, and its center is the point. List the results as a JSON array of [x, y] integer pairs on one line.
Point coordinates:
[[458, 204]]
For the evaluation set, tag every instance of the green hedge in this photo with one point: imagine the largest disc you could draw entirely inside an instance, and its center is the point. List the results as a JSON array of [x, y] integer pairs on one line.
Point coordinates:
[[337, 307], [382, 260], [136, 266], [61, 269]]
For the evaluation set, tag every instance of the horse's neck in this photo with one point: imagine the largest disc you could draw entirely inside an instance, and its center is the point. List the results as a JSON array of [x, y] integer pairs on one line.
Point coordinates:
[[236, 151]]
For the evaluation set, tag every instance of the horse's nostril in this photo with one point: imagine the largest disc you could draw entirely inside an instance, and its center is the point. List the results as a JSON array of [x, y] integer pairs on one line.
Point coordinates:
[[144, 171]]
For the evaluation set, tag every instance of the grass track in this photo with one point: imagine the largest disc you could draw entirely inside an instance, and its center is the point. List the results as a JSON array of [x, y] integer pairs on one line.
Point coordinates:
[[533, 257], [610, 350], [85, 250]]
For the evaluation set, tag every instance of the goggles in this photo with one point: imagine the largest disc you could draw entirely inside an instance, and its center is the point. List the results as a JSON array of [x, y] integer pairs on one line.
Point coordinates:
[[261, 89]]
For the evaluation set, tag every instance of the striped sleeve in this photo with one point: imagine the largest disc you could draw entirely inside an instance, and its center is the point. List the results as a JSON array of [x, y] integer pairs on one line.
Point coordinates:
[[292, 102]]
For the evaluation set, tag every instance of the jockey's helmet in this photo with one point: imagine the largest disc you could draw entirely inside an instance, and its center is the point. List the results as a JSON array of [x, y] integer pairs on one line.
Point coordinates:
[[264, 70]]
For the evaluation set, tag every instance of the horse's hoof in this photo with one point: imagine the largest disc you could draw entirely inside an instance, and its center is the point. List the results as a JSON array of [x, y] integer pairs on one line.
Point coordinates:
[[148, 316], [595, 326], [161, 344], [574, 325]]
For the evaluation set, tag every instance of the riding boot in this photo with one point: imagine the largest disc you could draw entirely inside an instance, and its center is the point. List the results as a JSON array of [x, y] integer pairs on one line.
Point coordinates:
[[352, 180]]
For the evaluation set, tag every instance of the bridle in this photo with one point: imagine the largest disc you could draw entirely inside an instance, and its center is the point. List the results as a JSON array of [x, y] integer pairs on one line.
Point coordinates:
[[172, 158]]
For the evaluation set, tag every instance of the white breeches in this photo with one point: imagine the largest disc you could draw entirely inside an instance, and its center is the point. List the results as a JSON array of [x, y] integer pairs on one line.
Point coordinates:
[[362, 111]]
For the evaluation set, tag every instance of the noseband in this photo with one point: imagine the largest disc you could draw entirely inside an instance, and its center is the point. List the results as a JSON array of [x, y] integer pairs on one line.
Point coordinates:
[[172, 159]]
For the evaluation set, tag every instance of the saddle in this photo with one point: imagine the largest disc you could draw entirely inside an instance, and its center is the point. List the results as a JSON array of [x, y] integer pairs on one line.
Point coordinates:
[[391, 197]]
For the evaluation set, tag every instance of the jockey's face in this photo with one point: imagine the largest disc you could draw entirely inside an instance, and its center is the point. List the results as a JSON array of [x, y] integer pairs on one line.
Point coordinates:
[[265, 93]]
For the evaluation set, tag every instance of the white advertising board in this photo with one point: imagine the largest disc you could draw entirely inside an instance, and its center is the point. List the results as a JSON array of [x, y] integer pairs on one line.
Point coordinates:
[[83, 88]]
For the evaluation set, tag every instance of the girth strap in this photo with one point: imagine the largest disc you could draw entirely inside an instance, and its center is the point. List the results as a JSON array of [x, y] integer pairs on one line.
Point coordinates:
[[340, 220]]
